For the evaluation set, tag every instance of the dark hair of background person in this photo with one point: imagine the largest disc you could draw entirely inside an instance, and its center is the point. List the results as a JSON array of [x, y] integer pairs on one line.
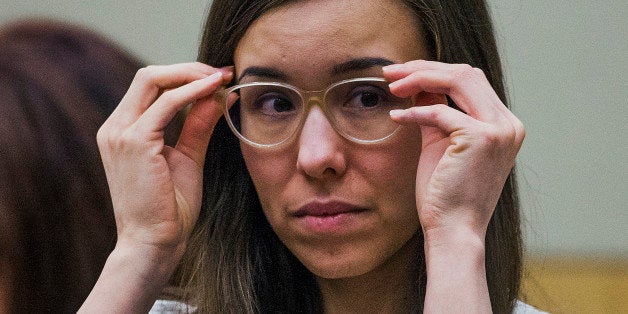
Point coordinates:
[[58, 84], [235, 262]]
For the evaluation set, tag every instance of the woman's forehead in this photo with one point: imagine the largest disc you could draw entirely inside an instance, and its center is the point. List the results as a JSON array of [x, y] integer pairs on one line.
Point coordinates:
[[315, 37]]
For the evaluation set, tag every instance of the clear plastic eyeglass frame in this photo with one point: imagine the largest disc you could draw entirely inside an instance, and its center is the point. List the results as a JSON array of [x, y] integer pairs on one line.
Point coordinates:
[[308, 100]]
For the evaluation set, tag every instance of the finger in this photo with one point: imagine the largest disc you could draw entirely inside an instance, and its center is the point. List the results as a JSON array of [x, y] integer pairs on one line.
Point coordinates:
[[157, 116], [197, 129], [399, 71], [503, 116], [149, 82], [443, 117], [506, 119], [518, 128], [199, 126], [395, 72], [467, 86], [472, 94]]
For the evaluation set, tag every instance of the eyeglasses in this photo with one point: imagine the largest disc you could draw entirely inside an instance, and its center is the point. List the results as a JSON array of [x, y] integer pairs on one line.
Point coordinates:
[[268, 114]]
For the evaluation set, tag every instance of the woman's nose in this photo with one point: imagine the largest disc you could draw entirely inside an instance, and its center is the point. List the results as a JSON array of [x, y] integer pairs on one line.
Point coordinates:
[[320, 147]]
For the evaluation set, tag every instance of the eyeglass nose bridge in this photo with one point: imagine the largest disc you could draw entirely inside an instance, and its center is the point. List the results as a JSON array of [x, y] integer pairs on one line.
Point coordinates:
[[316, 98], [312, 98]]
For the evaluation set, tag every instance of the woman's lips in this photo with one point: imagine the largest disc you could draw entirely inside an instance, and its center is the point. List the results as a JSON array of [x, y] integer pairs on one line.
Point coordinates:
[[322, 209], [328, 217]]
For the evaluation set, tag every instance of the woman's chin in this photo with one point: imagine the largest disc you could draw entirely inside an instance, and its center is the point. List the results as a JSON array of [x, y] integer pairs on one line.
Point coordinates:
[[357, 259], [339, 269]]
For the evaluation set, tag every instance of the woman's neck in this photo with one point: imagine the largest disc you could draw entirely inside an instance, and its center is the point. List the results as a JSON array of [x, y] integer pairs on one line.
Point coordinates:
[[393, 287]]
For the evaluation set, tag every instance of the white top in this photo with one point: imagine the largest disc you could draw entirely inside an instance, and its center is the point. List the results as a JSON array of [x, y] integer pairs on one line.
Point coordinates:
[[171, 307], [174, 307]]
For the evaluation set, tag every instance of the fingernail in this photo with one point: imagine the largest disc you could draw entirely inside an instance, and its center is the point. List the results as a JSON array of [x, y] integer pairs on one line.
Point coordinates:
[[228, 69], [393, 85], [392, 67], [396, 112], [214, 76]]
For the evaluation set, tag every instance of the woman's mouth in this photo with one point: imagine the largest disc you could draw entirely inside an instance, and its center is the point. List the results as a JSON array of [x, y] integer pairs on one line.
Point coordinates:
[[328, 217]]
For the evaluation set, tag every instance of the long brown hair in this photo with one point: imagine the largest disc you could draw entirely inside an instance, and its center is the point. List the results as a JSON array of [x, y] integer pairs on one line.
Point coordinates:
[[58, 84], [235, 263]]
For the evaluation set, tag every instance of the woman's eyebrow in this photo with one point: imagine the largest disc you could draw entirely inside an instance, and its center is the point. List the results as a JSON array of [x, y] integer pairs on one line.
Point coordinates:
[[264, 72], [360, 64], [356, 64]]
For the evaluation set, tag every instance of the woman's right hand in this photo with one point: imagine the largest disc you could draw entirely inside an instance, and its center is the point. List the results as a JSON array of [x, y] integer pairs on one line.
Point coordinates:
[[156, 189]]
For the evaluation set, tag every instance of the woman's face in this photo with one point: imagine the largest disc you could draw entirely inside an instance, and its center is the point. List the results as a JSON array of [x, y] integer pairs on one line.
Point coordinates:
[[343, 209]]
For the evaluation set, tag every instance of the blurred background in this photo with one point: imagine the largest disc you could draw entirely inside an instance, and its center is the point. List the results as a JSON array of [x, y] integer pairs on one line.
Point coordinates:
[[565, 65]]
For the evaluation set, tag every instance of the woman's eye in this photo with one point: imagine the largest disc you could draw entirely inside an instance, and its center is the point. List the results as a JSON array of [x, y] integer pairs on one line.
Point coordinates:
[[364, 98], [369, 99], [271, 104]]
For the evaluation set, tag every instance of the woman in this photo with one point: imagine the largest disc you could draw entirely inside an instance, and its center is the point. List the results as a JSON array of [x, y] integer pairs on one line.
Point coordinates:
[[58, 84], [331, 201]]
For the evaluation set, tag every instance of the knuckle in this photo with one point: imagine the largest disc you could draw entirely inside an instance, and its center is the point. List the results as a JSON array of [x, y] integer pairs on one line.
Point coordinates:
[[102, 137], [144, 74], [168, 96], [462, 73], [502, 138], [434, 114], [491, 137], [518, 125], [416, 63], [509, 136], [437, 112], [113, 140], [520, 130], [126, 139], [479, 72]]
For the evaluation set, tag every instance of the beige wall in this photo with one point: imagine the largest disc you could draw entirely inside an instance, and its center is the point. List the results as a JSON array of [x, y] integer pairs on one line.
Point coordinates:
[[565, 61]]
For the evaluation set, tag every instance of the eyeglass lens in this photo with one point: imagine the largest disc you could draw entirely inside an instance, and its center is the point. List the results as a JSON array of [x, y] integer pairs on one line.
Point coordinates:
[[271, 113]]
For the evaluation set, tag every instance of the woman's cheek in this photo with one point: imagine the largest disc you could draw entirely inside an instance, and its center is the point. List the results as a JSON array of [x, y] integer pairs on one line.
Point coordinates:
[[270, 171], [392, 166]]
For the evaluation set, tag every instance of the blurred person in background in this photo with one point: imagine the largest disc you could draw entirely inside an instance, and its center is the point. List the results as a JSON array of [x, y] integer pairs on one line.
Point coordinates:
[[58, 84]]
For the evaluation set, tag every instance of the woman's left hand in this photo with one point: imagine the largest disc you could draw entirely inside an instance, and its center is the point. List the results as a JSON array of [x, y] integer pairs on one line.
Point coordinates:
[[466, 156], [465, 160]]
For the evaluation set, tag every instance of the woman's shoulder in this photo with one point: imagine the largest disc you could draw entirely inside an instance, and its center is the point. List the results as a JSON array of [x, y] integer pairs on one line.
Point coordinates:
[[522, 308]]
